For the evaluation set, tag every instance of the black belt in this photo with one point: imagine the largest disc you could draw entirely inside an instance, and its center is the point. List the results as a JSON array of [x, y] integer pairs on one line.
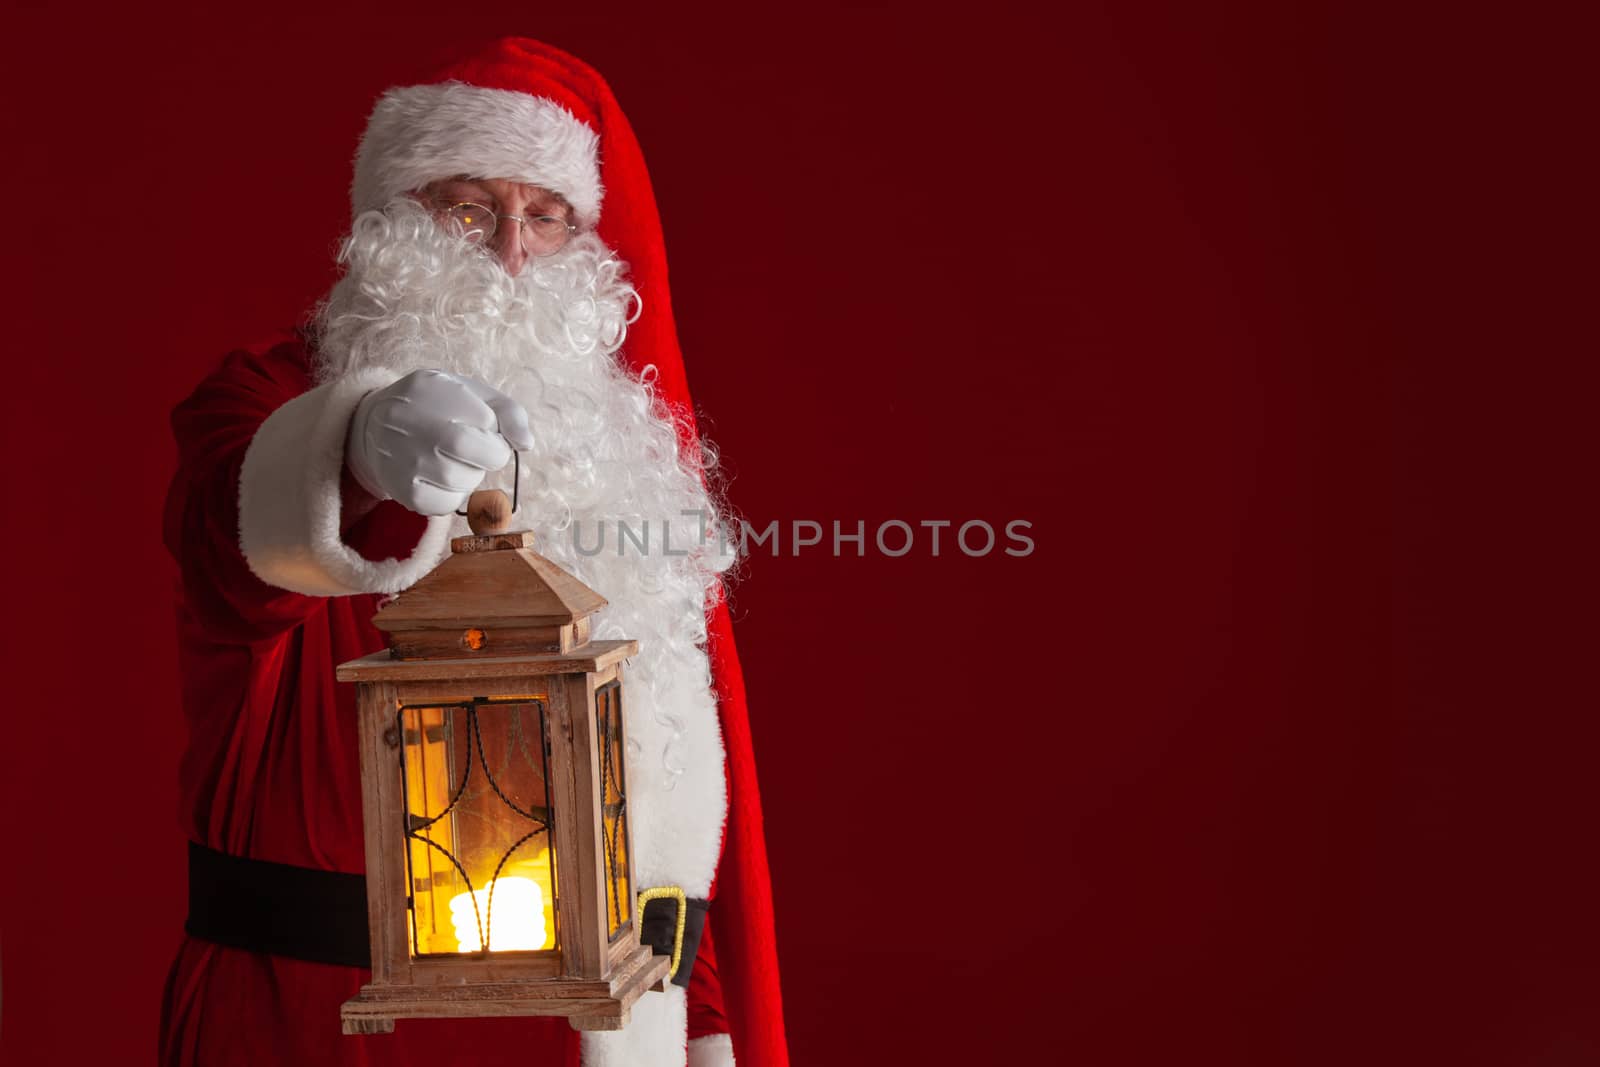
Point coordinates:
[[298, 912], [321, 916]]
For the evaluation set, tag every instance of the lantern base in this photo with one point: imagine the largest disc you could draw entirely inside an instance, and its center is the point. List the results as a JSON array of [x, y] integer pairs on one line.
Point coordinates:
[[587, 1003]]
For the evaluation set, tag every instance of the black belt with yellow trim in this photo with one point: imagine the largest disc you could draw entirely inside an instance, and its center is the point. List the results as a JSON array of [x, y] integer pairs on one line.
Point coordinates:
[[321, 916]]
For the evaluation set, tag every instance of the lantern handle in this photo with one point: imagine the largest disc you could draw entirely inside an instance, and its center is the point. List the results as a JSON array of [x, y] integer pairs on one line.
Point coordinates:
[[669, 892]]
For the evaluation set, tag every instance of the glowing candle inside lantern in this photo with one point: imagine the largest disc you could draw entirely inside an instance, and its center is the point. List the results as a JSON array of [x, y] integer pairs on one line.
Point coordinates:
[[516, 922]]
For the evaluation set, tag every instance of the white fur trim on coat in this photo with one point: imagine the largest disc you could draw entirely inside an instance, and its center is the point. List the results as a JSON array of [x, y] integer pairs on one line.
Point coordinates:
[[713, 1050], [422, 133], [289, 500], [654, 1036]]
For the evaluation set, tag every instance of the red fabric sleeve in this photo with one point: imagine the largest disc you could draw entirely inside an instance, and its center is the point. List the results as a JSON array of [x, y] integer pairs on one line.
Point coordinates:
[[214, 427]]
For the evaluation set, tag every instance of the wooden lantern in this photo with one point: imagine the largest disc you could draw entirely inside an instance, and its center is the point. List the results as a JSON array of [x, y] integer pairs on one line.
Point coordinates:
[[499, 861]]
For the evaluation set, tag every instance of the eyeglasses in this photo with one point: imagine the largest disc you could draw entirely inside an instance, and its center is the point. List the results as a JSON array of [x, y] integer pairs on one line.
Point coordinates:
[[542, 235]]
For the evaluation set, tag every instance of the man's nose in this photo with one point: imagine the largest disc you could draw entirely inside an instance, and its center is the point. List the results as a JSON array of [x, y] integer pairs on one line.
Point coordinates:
[[507, 246]]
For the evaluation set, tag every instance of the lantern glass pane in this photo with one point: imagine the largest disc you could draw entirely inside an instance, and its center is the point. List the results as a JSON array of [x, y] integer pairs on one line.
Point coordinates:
[[614, 806], [479, 850]]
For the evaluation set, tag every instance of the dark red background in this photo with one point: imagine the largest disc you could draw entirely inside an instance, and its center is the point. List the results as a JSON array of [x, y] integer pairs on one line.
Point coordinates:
[[1266, 755]]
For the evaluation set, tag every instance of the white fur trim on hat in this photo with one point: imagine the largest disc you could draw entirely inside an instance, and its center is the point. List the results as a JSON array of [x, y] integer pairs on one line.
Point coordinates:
[[422, 133], [290, 503]]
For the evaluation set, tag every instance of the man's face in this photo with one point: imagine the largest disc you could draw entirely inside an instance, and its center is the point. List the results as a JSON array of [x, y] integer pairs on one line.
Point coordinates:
[[512, 243]]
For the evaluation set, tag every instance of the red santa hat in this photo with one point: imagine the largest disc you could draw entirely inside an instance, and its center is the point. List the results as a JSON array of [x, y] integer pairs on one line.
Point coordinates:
[[521, 111]]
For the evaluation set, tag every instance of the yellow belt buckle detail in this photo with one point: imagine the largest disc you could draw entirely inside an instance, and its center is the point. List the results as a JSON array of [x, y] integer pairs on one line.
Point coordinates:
[[668, 892]]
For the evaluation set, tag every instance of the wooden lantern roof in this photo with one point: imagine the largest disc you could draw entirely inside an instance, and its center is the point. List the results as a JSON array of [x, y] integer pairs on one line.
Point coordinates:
[[494, 597]]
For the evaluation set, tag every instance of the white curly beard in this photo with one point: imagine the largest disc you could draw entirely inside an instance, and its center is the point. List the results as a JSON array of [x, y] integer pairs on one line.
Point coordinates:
[[413, 296]]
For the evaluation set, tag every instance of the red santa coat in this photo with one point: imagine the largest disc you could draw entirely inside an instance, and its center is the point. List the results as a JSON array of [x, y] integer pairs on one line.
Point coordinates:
[[272, 771]]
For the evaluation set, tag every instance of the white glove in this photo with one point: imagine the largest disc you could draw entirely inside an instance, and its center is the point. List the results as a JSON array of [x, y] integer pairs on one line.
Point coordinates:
[[428, 440]]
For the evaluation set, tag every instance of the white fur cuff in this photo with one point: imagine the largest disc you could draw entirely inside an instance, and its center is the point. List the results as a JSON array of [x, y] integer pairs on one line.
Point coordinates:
[[289, 501], [713, 1050]]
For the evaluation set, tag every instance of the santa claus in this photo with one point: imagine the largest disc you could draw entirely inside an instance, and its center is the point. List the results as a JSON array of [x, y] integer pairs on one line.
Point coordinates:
[[487, 304]]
